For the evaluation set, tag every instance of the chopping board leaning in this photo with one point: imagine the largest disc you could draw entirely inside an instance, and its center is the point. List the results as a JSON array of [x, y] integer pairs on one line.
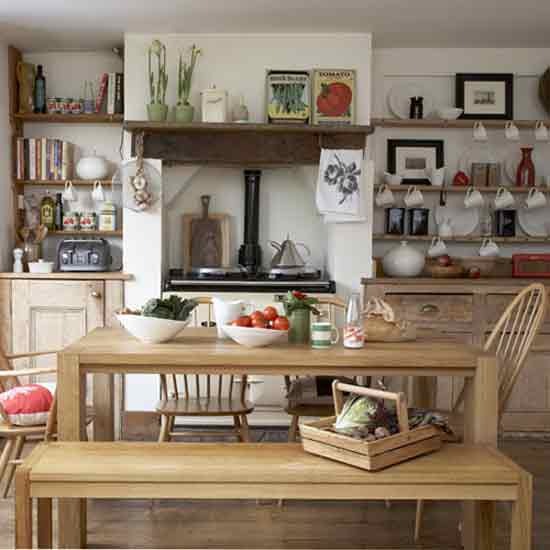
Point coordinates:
[[205, 238]]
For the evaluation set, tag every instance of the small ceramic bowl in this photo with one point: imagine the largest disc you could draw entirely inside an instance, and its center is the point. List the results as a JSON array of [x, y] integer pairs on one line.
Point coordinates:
[[449, 113], [151, 330], [41, 266], [251, 337]]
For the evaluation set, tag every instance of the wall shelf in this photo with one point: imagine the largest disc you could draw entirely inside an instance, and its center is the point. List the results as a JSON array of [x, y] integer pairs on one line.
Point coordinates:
[[61, 183], [235, 144], [80, 233], [457, 124], [467, 239], [459, 189], [69, 119]]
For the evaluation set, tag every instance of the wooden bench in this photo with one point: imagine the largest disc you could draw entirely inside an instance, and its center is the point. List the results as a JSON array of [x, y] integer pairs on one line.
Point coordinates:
[[258, 471]]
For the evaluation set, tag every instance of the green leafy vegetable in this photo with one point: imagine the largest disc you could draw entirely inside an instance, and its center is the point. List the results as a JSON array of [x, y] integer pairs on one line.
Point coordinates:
[[173, 308]]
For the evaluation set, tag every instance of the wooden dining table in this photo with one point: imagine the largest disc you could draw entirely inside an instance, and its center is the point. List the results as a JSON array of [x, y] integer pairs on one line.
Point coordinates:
[[197, 350]]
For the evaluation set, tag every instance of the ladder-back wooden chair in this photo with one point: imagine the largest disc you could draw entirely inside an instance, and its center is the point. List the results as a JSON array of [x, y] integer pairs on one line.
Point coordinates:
[[204, 396], [15, 436], [511, 340], [331, 307]]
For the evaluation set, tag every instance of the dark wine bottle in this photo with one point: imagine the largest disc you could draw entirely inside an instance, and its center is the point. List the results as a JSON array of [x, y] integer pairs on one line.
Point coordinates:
[[58, 213], [40, 91]]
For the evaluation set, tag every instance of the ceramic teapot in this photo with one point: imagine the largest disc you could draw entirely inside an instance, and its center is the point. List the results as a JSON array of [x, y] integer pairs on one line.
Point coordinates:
[[287, 254], [92, 167]]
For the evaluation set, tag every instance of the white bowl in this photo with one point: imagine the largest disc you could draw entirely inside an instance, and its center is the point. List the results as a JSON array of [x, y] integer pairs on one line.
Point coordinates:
[[449, 113], [254, 337], [41, 267], [151, 330]]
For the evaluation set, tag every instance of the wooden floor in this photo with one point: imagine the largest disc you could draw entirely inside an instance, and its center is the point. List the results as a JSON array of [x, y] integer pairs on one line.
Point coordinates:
[[237, 524]]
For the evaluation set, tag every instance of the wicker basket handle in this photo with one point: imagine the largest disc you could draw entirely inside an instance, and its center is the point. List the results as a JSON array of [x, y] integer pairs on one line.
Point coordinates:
[[338, 389]]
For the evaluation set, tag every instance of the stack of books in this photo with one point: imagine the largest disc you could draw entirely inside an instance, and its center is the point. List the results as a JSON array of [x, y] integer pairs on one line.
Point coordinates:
[[44, 159], [110, 94]]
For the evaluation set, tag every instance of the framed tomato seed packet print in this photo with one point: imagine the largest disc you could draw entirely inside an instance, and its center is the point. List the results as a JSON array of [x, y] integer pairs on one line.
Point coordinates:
[[333, 96]]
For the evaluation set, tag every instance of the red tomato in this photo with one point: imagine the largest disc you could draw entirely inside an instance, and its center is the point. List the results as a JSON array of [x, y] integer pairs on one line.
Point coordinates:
[[270, 313], [243, 321], [257, 315], [281, 323], [334, 99], [259, 323]]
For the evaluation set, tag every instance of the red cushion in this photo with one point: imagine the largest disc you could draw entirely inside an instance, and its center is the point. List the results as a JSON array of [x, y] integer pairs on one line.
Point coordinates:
[[27, 405]]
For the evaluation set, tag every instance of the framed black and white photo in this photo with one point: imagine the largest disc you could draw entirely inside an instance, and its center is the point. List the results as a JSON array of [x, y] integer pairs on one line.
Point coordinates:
[[415, 159], [485, 96]]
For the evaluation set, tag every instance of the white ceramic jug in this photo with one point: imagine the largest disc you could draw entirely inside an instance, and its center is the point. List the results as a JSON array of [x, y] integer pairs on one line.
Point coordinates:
[[225, 312]]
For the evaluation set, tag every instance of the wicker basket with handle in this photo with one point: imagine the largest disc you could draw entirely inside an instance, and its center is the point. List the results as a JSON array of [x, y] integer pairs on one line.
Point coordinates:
[[319, 439]]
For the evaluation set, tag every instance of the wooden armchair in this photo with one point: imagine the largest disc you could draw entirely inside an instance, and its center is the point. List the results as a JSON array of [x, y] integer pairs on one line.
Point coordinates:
[[204, 396], [511, 340]]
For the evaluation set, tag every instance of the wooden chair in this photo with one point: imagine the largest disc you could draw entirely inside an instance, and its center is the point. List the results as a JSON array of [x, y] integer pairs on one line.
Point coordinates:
[[511, 340], [202, 396], [16, 436], [330, 306]]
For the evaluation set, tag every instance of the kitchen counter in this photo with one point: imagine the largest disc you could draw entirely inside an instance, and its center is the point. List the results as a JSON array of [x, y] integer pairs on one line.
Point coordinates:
[[101, 276], [459, 281]]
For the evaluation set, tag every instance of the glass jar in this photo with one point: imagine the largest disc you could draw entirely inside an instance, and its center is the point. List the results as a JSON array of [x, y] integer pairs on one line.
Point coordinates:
[[354, 332]]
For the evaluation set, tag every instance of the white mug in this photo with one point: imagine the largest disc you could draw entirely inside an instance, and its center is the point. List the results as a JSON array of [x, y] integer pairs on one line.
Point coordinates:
[[503, 199], [480, 134], [392, 179], [413, 197], [511, 131], [437, 248], [97, 192], [473, 198], [437, 178], [541, 131], [535, 199], [489, 248], [445, 228], [69, 193], [384, 197]]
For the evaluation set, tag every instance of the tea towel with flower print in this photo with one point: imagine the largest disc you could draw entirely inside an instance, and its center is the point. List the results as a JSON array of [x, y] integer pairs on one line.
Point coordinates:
[[339, 188]]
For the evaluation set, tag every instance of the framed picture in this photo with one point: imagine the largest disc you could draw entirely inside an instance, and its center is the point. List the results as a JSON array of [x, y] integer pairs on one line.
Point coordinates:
[[485, 96], [288, 96], [414, 159], [333, 96]]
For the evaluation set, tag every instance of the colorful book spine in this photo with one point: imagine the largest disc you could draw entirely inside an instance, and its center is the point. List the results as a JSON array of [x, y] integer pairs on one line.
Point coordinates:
[[119, 94], [111, 94], [38, 159], [44, 170], [101, 93], [32, 158], [20, 159]]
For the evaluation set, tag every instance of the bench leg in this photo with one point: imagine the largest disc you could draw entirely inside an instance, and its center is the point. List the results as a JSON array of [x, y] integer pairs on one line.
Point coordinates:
[[245, 432], [71, 512], [522, 515], [44, 516], [19, 442], [23, 509], [293, 429]]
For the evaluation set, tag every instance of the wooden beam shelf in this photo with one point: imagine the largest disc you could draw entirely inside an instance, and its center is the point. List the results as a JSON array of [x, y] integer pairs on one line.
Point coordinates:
[[61, 183], [235, 144], [459, 189], [69, 119], [451, 124], [466, 239], [80, 233]]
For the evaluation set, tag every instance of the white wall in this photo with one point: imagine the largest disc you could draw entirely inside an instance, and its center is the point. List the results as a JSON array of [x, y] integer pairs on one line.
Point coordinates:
[[6, 204], [434, 69]]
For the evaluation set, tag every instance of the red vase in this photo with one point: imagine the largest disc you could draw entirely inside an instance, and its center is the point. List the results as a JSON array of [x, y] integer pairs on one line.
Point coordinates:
[[525, 175]]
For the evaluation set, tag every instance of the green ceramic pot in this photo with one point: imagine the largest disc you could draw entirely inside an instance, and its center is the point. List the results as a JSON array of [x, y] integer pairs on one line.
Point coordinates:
[[157, 112], [300, 326], [184, 113]]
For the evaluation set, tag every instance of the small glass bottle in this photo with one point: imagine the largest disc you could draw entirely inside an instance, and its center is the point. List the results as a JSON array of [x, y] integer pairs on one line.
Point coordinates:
[[354, 333], [40, 105], [47, 209], [58, 213]]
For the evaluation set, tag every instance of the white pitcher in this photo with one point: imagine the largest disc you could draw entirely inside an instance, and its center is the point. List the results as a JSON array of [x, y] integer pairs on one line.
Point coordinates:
[[225, 312]]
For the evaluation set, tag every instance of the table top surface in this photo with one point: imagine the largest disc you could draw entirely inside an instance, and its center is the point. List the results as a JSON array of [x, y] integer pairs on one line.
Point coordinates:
[[199, 347]]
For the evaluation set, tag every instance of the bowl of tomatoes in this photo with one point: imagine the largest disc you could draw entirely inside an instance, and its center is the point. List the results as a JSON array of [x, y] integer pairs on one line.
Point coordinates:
[[259, 329]]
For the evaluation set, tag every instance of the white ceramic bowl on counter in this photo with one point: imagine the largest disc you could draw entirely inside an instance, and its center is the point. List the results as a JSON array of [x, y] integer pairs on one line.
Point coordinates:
[[251, 337], [41, 266], [151, 330]]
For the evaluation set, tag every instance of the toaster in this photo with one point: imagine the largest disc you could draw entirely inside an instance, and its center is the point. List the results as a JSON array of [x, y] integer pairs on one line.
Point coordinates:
[[83, 255]]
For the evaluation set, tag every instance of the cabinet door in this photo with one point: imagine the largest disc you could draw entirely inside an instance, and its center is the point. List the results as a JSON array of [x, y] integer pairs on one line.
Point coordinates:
[[49, 315]]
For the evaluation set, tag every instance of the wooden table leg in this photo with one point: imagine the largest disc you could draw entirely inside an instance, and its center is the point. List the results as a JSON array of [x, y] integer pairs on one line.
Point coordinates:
[[23, 509], [71, 415], [522, 515], [104, 407], [480, 426], [44, 517]]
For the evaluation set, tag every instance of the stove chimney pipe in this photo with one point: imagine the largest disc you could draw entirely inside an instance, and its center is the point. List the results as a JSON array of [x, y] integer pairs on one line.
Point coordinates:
[[250, 253]]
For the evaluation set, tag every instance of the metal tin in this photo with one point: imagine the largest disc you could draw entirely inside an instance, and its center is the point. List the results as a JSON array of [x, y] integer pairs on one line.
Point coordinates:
[[418, 221], [395, 221], [505, 221], [88, 221], [107, 217], [76, 106], [66, 105], [71, 221], [51, 104]]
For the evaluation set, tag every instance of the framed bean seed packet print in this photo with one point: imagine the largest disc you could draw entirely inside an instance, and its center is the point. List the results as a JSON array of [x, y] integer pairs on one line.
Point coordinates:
[[288, 96], [333, 93]]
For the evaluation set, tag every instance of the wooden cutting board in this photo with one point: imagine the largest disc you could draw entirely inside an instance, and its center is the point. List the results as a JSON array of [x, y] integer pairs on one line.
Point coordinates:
[[206, 238]]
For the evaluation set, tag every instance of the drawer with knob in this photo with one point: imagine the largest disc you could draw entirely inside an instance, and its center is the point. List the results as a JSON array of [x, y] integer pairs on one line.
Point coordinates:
[[442, 311]]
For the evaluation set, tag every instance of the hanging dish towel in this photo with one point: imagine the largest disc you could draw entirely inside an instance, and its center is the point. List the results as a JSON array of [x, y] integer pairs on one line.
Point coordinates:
[[338, 189]]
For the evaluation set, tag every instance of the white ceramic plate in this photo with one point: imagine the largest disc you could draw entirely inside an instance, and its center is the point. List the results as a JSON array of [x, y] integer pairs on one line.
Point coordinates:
[[536, 222], [251, 337], [514, 158], [399, 99], [151, 330], [464, 221]]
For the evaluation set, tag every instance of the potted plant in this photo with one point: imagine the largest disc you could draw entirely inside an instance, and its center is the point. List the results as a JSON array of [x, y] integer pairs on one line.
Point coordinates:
[[298, 308], [157, 110], [184, 110]]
